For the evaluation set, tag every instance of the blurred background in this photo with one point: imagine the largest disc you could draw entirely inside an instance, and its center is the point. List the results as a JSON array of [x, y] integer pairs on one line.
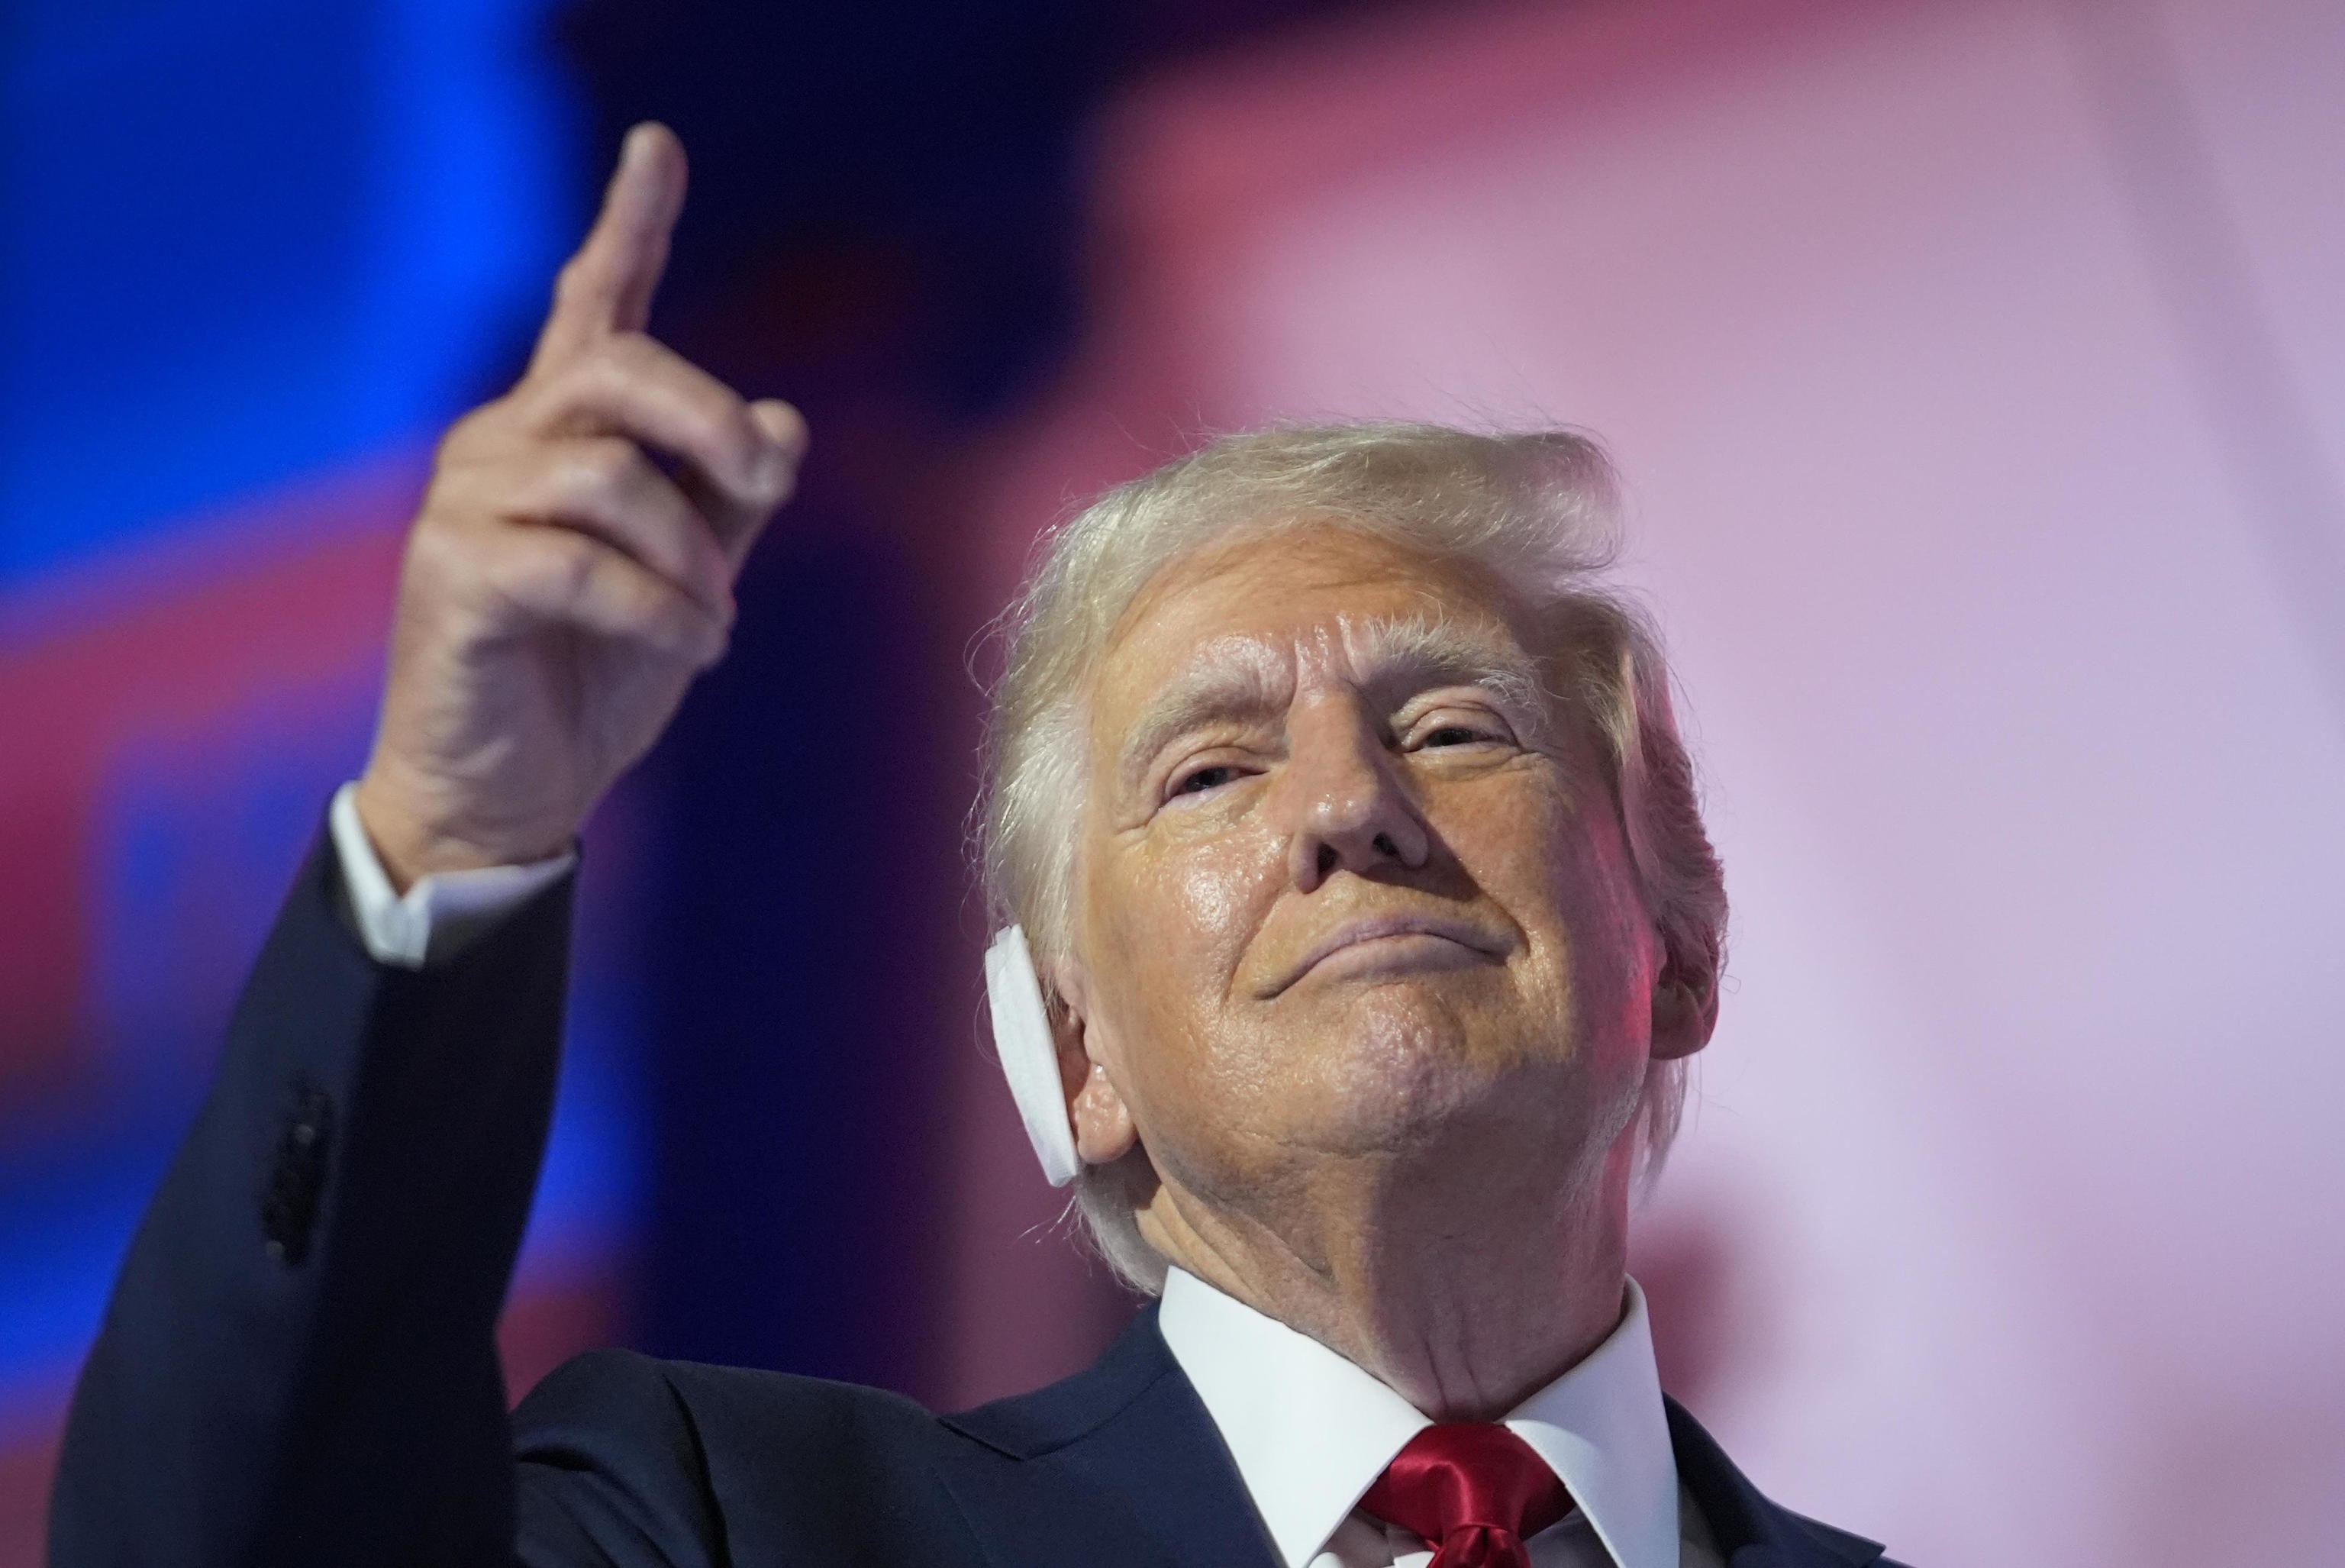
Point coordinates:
[[1978, 371]]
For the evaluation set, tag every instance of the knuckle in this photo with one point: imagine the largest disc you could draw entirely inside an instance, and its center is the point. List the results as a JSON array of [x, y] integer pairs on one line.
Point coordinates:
[[572, 280], [467, 433], [546, 576], [436, 542], [435, 554], [603, 467]]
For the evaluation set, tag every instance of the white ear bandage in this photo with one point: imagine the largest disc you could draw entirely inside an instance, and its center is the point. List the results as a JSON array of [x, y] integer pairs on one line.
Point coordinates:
[[1029, 1057]]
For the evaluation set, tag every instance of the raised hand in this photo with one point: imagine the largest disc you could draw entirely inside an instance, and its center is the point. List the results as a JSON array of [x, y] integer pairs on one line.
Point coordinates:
[[562, 585]]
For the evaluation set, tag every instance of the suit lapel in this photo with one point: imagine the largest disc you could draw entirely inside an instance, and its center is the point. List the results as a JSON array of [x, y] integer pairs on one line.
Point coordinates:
[[1119, 1463], [1750, 1531]]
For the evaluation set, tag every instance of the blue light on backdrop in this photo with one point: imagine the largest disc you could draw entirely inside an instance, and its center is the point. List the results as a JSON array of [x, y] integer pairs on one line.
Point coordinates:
[[243, 244], [248, 239]]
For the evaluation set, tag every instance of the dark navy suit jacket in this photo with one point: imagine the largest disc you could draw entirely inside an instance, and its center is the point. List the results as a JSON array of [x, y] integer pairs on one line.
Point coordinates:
[[297, 1363]]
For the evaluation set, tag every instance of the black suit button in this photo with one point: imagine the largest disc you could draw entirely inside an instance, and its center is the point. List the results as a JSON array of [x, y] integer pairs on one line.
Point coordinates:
[[290, 1206]]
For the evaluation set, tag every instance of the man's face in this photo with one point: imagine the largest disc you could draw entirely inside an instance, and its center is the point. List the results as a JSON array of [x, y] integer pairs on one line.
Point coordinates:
[[1350, 887]]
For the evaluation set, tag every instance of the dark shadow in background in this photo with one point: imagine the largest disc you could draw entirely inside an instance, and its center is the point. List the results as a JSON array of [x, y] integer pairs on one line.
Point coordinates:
[[883, 226]]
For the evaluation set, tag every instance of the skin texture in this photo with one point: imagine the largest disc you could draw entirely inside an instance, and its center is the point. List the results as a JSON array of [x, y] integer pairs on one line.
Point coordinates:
[[572, 568], [1415, 1147]]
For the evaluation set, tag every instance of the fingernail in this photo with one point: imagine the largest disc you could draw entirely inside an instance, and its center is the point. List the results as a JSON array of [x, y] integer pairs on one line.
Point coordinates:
[[637, 149]]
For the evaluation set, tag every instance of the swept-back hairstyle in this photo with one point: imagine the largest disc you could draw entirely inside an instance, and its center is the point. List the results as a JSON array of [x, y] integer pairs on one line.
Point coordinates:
[[1537, 511]]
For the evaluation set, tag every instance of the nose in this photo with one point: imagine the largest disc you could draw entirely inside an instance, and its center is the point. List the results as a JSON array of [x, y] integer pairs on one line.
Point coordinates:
[[1352, 812]]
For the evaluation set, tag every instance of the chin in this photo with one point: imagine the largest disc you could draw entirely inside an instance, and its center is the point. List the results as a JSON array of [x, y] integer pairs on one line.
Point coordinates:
[[1405, 1067]]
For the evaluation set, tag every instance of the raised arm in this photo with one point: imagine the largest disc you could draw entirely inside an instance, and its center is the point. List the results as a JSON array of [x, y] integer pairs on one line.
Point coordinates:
[[562, 587], [297, 1364]]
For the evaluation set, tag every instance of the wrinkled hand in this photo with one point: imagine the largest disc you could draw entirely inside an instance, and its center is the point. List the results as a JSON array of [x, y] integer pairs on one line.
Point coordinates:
[[572, 568]]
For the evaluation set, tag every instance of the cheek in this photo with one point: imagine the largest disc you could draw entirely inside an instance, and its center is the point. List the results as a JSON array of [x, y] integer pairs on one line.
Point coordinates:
[[1555, 861], [1612, 948], [1178, 921], [1520, 837], [1215, 891]]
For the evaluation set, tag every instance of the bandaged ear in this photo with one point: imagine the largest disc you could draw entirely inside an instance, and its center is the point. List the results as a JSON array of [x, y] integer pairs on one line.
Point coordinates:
[[1030, 1055]]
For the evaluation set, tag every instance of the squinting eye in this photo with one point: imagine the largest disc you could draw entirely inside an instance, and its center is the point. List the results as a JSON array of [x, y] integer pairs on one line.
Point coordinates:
[[1454, 735], [1204, 778]]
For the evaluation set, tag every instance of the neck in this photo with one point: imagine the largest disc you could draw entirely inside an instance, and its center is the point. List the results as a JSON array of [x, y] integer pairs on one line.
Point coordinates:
[[1463, 1299]]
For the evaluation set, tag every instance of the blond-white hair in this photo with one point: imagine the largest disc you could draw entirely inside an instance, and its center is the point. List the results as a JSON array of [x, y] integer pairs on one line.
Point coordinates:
[[1536, 510]]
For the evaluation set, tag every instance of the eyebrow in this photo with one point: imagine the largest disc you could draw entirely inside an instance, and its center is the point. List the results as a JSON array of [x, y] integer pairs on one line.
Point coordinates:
[[1230, 678], [1239, 678], [1419, 651]]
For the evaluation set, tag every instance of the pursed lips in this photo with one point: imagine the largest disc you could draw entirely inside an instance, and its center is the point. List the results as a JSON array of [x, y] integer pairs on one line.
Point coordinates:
[[1365, 929]]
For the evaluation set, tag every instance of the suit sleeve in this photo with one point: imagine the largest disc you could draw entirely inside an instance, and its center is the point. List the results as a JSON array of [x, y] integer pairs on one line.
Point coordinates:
[[297, 1364]]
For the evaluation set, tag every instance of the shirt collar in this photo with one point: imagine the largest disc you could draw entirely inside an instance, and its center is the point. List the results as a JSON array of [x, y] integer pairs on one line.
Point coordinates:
[[1310, 1431]]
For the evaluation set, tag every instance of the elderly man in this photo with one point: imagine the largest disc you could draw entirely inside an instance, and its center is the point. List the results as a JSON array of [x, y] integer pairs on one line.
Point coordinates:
[[1338, 812]]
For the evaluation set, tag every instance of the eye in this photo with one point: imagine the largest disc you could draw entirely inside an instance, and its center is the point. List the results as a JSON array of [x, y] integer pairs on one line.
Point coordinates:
[[1197, 782], [1202, 770], [1457, 727]]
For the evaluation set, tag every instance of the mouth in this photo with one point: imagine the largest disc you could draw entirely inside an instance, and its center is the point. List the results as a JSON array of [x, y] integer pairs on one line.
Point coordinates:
[[1393, 944]]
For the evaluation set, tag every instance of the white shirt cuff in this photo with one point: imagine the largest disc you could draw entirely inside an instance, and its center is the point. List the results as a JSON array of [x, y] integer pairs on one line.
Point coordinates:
[[442, 912]]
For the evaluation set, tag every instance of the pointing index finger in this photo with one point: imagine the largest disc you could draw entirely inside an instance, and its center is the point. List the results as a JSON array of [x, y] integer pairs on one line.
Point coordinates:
[[607, 286]]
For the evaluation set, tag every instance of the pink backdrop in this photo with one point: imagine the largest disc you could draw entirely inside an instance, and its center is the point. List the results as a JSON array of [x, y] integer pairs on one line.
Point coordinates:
[[1978, 371]]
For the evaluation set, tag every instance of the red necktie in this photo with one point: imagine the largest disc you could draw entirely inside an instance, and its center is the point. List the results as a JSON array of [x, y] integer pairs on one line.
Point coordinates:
[[1473, 1490]]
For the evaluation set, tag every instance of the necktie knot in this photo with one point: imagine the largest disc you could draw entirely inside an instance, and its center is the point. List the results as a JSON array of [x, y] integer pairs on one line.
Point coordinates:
[[1473, 1490]]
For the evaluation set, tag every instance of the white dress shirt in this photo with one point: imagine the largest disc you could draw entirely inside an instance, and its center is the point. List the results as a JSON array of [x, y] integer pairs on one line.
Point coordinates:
[[436, 917], [1309, 1430]]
